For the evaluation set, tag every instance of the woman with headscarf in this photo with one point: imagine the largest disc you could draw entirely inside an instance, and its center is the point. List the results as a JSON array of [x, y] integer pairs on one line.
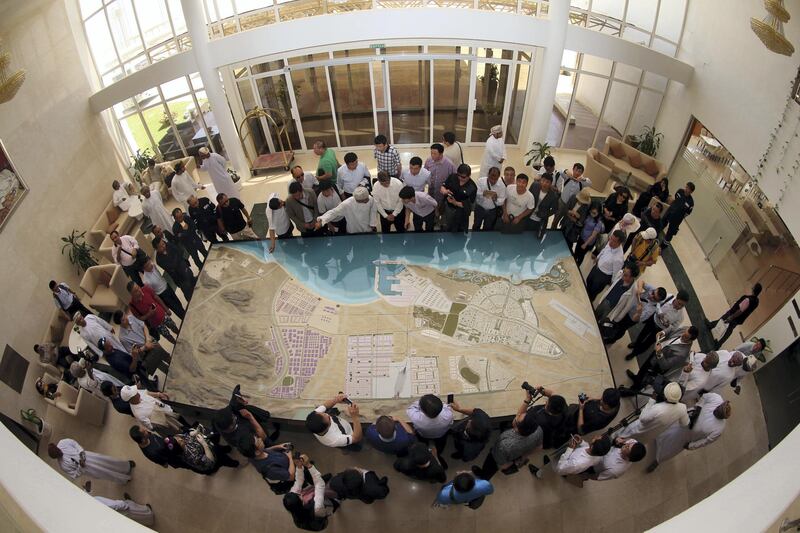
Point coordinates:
[[495, 152]]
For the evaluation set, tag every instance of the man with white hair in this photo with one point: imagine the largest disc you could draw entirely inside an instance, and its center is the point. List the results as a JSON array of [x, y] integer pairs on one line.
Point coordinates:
[[217, 169], [495, 152], [92, 328], [708, 422], [645, 249], [149, 409], [695, 375], [359, 210], [90, 379], [657, 416], [153, 208]]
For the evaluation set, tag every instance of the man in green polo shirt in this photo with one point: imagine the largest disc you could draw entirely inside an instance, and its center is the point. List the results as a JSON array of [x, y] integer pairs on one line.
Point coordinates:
[[327, 162]]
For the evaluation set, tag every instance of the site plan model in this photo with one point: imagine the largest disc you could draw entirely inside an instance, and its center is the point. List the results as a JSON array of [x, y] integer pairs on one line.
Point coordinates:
[[386, 319]]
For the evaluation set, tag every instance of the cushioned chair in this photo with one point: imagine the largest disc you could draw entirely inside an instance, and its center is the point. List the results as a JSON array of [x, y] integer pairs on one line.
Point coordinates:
[[81, 404], [639, 169], [189, 163], [106, 287], [58, 329], [112, 218], [599, 168], [145, 242]]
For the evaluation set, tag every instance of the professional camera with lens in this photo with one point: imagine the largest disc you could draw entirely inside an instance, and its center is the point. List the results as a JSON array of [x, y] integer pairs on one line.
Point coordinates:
[[530, 388], [582, 397]]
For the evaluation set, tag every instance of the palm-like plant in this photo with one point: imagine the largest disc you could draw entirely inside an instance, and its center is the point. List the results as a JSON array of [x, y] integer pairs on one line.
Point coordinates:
[[80, 252], [537, 153], [649, 141]]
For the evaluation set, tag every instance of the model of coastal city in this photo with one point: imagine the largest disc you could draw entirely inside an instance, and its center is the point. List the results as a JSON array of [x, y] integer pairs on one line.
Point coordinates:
[[386, 319]]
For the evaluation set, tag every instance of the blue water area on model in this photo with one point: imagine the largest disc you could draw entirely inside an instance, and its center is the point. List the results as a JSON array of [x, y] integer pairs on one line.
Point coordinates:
[[387, 273], [342, 269]]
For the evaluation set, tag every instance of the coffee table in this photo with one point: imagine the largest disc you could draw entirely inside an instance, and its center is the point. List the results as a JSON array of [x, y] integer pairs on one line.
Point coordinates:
[[76, 342]]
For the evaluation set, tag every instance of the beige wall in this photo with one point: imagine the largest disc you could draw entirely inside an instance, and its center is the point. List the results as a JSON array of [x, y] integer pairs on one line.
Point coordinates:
[[62, 151]]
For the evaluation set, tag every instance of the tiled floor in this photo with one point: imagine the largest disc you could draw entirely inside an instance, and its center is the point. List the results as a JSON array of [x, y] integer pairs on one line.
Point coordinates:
[[238, 500]]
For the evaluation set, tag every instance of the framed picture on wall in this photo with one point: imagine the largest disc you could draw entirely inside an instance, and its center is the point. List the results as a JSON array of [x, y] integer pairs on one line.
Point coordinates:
[[12, 188]]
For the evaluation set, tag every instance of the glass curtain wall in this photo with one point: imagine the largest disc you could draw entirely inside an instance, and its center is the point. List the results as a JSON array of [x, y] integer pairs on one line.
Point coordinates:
[[412, 94], [172, 120], [597, 98], [740, 232]]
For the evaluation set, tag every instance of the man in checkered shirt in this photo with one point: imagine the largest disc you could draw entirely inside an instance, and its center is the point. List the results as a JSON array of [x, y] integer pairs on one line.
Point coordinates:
[[388, 157]]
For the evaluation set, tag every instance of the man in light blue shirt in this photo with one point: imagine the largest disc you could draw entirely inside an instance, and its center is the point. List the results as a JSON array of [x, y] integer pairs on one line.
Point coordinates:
[[432, 420], [464, 489]]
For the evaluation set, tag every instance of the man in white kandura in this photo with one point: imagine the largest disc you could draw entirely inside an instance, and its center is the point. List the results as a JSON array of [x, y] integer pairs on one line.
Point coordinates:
[[127, 507], [709, 416], [183, 186], [76, 462], [695, 375], [153, 208], [121, 198], [91, 328], [657, 416], [90, 379], [217, 169], [359, 211], [729, 371], [495, 152], [624, 452]]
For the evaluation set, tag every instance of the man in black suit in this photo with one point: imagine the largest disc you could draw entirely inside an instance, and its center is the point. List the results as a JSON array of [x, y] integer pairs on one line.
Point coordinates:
[[359, 484], [545, 201], [671, 354]]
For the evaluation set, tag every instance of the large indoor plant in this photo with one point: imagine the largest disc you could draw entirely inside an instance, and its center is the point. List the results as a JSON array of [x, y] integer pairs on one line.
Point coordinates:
[[80, 252], [537, 154], [648, 142]]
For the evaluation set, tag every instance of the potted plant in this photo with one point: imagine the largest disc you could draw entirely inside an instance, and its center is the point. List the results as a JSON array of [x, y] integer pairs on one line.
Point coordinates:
[[80, 252], [537, 154], [648, 142], [139, 164], [42, 428]]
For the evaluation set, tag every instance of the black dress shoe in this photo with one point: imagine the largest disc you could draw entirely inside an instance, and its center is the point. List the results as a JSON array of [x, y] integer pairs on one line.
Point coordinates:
[[631, 344], [631, 375], [477, 471], [456, 455], [630, 356]]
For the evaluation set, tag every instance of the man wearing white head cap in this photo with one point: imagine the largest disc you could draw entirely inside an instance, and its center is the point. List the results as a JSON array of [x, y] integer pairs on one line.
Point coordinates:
[[645, 249], [708, 422], [657, 416], [91, 379], [217, 169], [153, 208], [359, 211], [149, 409], [495, 152]]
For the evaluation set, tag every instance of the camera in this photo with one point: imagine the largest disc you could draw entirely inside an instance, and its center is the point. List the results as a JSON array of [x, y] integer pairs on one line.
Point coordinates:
[[530, 388], [289, 446], [582, 397], [346, 399]]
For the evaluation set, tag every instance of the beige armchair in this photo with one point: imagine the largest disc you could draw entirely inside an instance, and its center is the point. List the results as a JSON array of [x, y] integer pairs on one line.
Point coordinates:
[[112, 218], [145, 242], [58, 329], [599, 168], [106, 287], [81, 404]]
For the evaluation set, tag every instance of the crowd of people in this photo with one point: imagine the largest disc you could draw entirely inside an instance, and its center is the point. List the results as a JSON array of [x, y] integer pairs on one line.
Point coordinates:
[[685, 409]]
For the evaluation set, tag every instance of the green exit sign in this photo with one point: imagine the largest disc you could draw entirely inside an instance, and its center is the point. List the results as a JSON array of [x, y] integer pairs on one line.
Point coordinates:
[[377, 46]]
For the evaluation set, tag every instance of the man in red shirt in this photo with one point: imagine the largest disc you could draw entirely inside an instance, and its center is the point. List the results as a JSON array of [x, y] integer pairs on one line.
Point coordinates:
[[150, 309]]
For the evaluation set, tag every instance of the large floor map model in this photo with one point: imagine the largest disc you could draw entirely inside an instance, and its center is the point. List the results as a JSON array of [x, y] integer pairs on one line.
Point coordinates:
[[387, 318]]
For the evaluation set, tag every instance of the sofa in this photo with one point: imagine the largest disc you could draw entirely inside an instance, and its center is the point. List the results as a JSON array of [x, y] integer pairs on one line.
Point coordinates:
[[634, 168], [189, 163], [81, 404], [599, 168], [58, 329], [105, 287], [112, 218]]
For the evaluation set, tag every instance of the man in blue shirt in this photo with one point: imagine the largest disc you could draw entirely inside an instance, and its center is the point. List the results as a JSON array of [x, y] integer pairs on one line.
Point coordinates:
[[390, 435], [464, 489]]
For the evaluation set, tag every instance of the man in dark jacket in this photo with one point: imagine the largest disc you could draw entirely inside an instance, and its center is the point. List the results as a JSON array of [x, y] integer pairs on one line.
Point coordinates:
[[170, 258], [359, 484], [736, 315], [679, 209], [204, 214], [545, 201], [671, 354], [185, 233]]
